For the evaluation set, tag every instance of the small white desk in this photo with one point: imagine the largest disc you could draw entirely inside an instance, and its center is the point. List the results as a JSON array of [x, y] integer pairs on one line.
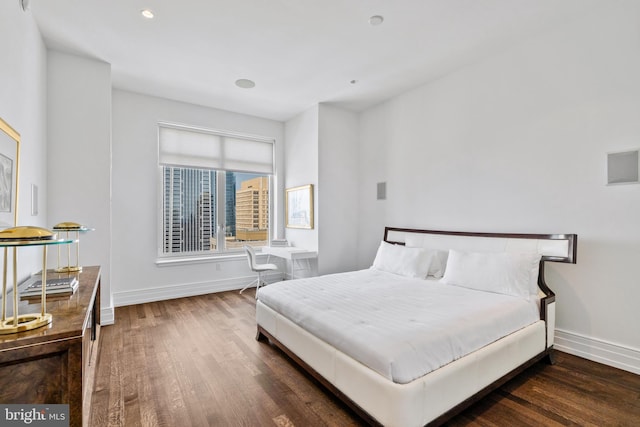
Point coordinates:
[[290, 253]]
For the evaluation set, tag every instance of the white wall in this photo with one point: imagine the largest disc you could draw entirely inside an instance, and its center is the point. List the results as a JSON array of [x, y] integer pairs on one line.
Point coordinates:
[[23, 66], [374, 147], [301, 164], [79, 158], [337, 190], [322, 149], [136, 277], [518, 143]]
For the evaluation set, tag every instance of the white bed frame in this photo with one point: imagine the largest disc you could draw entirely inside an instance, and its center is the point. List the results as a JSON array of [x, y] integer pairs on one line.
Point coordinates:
[[437, 396]]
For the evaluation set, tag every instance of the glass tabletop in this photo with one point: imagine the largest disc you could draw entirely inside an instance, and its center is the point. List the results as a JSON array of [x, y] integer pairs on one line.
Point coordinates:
[[35, 242]]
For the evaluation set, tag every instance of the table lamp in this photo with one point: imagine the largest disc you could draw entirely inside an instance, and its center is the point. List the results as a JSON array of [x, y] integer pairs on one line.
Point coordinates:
[[67, 227], [16, 237]]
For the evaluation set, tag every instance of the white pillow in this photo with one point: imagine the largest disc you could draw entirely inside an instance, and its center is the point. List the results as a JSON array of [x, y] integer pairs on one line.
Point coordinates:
[[438, 260], [438, 263], [501, 272], [398, 259]]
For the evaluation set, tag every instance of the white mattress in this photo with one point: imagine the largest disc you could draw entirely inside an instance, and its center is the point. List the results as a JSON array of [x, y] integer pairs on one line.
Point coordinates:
[[401, 328]]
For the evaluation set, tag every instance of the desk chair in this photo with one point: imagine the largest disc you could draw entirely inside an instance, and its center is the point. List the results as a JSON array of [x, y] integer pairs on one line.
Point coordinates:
[[258, 268]]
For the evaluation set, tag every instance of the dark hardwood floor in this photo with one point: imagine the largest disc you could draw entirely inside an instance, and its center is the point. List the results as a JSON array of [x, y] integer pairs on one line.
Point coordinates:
[[195, 362]]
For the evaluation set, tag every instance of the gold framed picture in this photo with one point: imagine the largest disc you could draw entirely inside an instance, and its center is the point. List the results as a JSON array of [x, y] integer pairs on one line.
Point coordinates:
[[9, 162], [299, 207]]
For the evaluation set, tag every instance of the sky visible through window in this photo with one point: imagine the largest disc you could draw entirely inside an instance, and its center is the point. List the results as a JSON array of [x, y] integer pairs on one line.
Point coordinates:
[[241, 177]]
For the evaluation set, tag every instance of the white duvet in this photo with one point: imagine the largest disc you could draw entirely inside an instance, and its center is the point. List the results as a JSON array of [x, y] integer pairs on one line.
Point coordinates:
[[402, 328]]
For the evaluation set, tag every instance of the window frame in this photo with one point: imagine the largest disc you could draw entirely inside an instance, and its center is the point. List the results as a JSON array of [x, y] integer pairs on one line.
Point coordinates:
[[169, 258]]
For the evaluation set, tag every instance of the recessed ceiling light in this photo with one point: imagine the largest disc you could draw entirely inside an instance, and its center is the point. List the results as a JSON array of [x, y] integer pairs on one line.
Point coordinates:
[[245, 83], [376, 20], [147, 13], [353, 82]]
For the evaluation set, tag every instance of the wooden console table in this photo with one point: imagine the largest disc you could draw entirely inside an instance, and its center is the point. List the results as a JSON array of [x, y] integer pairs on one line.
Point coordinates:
[[56, 363]]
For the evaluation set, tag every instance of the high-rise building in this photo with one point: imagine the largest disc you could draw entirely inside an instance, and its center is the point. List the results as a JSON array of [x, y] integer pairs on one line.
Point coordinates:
[[230, 211], [189, 214], [252, 209]]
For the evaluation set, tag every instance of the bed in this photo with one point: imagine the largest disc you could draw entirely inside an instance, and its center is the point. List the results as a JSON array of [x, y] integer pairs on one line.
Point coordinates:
[[439, 320]]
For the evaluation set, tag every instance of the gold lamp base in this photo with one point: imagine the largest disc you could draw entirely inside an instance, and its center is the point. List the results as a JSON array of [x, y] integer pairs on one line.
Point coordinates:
[[26, 322]]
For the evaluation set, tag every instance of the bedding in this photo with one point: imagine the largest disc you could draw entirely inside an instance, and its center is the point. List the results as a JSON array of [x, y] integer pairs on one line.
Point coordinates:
[[398, 326]]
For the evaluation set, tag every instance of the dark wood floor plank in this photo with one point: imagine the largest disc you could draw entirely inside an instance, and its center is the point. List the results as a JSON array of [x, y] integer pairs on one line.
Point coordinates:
[[195, 362], [573, 398]]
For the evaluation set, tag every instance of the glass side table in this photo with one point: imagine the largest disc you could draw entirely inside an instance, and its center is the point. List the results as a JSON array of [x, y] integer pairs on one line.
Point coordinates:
[[15, 238]]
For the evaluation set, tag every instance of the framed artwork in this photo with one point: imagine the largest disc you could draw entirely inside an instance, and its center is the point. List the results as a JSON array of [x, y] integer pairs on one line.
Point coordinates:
[[299, 207], [9, 161]]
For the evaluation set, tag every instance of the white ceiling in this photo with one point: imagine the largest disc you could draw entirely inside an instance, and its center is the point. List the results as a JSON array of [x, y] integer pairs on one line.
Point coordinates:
[[299, 52]]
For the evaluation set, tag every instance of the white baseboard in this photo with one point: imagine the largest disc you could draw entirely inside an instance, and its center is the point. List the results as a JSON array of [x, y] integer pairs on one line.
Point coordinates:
[[589, 348], [107, 316], [185, 290]]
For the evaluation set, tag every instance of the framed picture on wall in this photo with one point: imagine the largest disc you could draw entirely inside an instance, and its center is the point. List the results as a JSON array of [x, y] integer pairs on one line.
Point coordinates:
[[299, 207], [9, 157]]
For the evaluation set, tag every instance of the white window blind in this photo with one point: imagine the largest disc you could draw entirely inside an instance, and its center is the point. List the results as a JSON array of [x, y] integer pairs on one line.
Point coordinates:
[[200, 148]]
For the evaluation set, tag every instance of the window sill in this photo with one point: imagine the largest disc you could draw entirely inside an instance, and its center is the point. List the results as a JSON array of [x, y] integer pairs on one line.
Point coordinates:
[[201, 259]]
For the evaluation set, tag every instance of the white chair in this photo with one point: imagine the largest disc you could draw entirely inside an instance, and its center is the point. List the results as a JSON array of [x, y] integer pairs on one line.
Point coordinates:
[[258, 268]]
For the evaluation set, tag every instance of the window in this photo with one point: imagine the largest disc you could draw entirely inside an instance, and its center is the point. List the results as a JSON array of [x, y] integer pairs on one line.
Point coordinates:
[[215, 190]]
